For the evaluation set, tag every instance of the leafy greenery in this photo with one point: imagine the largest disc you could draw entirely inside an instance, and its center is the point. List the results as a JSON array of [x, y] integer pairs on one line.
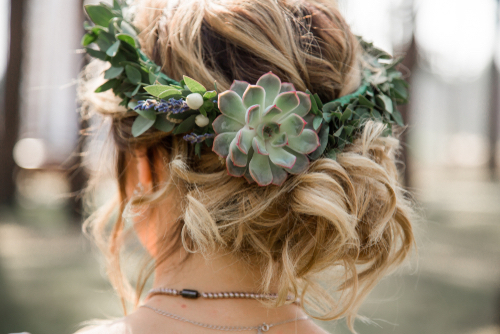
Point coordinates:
[[134, 77]]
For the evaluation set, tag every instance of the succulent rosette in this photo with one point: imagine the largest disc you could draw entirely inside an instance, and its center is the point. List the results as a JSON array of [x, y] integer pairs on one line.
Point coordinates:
[[262, 133]]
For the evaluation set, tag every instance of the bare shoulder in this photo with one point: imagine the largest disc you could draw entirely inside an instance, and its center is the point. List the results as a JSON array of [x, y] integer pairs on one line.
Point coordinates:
[[303, 327], [107, 327]]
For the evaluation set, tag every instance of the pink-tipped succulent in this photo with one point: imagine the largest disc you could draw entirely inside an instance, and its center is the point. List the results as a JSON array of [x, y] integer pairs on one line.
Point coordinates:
[[262, 132]]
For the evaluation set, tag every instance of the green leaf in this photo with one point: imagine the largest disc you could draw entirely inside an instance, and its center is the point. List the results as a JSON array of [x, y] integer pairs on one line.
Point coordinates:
[[317, 122], [128, 29], [186, 126], [105, 41], [148, 113], [387, 102], [118, 60], [133, 74], [327, 117], [396, 115], [99, 14], [136, 90], [170, 93], [141, 125], [163, 124], [113, 49], [194, 86], [107, 86], [332, 154], [132, 104], [323, 139], [203, 111], [349, 129], [330, 106], [197, 149], [210, 95], [113, 72], [314, 105], [96, 54], [127, 39], [346, 115], [365, 102], [88, 39], [157, 90], [339, 131], [318, 101]]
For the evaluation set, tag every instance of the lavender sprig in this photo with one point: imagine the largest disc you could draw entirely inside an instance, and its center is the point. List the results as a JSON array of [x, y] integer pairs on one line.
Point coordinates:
[[193, 138]]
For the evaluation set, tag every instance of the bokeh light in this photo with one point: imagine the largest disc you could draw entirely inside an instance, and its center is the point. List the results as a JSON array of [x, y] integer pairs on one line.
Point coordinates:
[[29, 153]]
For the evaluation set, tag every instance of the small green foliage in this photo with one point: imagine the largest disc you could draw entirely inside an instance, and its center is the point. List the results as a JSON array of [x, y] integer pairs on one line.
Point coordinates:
[[113, 72], [331, 126], [141, 125], [194, 86], [133, 74], [99, 14]]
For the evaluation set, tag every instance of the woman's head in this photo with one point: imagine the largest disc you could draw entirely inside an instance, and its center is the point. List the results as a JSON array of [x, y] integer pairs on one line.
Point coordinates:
[[347, 217]]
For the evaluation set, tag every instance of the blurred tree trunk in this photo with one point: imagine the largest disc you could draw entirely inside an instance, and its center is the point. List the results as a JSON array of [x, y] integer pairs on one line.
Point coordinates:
[[9, 132], [493, 122], [409, 64], [493, 117], [77, 176]]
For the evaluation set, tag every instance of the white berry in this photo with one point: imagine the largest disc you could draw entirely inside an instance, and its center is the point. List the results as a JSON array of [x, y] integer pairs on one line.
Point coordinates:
[[201, 121], [194, 101]]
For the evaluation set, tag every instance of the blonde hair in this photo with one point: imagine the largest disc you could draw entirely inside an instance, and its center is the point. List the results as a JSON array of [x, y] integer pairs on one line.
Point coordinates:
[[347, 218]]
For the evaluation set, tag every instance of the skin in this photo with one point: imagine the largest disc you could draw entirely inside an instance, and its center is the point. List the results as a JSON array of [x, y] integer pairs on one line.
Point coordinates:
[[219, 273]]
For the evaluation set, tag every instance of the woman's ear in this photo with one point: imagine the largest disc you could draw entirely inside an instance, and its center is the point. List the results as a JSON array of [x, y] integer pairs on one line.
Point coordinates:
[[144, 172]]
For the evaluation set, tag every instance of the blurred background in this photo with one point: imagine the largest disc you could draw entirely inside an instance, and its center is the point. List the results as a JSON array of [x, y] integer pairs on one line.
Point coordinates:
[[50, 276]]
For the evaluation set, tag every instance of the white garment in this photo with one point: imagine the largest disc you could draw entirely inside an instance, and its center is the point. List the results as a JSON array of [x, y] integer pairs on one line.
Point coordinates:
[[109, 327]]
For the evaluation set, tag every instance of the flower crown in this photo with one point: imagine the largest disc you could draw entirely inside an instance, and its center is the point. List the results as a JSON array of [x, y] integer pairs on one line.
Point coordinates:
[[263, 131]]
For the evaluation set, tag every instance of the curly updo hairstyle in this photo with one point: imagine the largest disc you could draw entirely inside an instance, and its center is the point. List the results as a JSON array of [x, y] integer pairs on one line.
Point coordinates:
[[347, 220]]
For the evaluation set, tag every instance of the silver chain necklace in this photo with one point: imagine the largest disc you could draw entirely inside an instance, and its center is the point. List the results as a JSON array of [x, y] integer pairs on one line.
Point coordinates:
[[260, 329]]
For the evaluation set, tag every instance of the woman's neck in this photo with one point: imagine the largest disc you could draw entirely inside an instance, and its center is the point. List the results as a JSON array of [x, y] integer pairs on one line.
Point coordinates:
[[219, 273]]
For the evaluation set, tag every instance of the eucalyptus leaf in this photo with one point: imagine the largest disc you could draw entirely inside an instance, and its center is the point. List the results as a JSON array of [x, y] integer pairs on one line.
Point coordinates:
[[96, 54], [88, 39], [141, 125], [118, 60], [194, 86], [396, 115], [163, 124], [113, 72], [127, 39], [186, 126], [128, 29], [133, 74], [136, 90], [105, 41], [107, 86], [113, 49], [99, 14], [132, 104], [148, 113]]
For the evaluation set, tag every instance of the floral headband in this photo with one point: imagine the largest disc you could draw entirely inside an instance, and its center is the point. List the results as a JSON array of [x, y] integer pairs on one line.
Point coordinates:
[[263, 131]]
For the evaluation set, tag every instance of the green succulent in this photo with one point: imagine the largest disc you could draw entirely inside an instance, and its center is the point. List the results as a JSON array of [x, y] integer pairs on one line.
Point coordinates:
[[262, 133]]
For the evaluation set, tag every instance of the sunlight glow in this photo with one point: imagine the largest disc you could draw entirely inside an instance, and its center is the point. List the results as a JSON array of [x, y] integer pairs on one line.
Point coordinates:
[[456, 37]]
